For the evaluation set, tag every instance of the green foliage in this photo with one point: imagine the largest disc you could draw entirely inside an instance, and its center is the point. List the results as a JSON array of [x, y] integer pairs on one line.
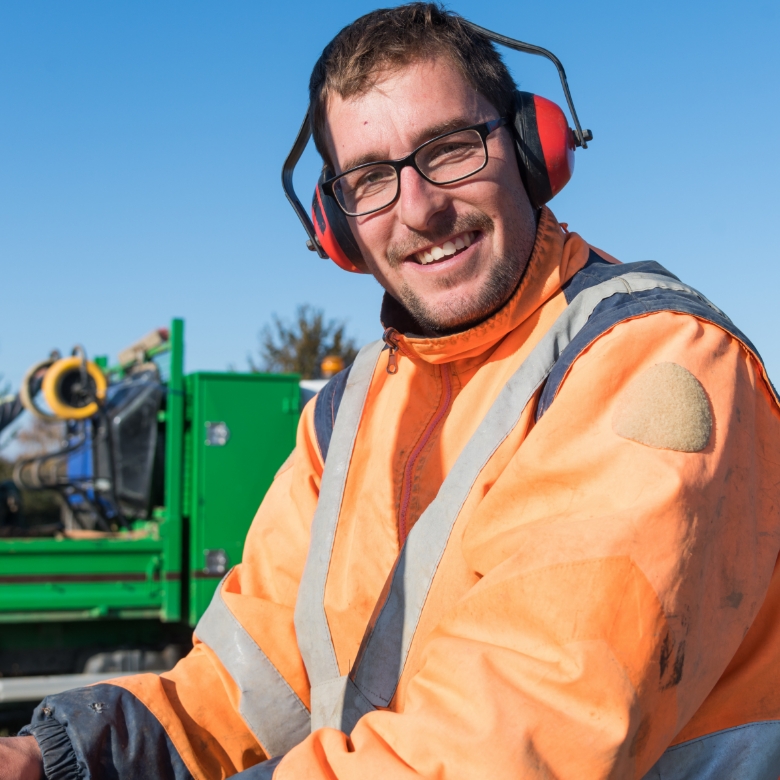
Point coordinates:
[[300, 347]]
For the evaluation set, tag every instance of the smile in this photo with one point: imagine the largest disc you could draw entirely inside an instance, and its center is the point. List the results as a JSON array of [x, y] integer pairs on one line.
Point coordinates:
[[450, 247]]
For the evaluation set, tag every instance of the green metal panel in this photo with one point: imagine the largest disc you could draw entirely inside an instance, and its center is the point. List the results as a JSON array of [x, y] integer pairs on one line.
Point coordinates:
[[93, 577], [233, 465]]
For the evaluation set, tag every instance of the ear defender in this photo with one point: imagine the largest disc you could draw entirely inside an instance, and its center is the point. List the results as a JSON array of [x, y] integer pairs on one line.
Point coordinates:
[[333, 230], [545, 147]]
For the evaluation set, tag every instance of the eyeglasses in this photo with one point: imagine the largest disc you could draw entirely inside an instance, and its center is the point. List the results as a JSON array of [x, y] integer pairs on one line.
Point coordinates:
[[445, 159]]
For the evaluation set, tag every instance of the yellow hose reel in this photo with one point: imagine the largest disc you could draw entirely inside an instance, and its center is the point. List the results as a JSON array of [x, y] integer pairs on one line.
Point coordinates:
[[73, 387]]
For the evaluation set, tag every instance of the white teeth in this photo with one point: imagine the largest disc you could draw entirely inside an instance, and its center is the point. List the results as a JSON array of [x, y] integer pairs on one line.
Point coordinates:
[[447, 249]]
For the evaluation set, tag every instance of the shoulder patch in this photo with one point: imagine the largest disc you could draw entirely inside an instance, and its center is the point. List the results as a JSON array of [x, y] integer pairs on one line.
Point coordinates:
[[665, 407]]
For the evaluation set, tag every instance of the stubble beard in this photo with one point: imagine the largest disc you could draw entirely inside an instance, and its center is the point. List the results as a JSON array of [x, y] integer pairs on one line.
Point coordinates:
[[460, 312]]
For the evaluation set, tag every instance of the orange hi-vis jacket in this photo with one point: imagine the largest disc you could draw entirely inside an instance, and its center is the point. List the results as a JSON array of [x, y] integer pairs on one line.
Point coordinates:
[[545, 547]]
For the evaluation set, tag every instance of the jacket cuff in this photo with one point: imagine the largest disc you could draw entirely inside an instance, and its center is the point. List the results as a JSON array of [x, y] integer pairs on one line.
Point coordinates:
[[103, 731], [59, 758]]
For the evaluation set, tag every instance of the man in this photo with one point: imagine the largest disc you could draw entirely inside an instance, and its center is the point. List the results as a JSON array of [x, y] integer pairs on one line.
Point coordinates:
[[591, 590]]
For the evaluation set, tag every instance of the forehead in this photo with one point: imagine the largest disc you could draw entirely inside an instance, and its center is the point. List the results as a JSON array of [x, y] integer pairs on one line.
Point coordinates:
[[400, 111]]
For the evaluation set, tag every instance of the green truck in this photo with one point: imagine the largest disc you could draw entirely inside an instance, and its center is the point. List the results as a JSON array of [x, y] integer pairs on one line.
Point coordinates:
[[158, 489]]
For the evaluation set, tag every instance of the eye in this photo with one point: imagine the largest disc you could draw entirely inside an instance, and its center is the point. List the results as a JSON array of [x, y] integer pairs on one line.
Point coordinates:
[[367, 180], [452, 150], [374, 176]]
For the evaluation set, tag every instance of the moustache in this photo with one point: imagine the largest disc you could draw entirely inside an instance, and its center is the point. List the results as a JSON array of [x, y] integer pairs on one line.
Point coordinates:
[[475, 221]]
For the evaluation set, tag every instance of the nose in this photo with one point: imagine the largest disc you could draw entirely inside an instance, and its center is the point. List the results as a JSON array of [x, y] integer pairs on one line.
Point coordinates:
[[420, 201]]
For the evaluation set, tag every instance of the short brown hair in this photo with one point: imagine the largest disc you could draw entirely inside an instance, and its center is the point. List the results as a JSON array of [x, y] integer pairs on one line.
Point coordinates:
[[394, 38]]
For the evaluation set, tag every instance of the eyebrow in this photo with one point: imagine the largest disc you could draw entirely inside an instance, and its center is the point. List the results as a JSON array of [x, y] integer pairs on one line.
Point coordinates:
[[420, 138]]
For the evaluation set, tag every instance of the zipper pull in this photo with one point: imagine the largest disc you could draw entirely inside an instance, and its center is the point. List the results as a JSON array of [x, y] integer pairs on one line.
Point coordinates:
[[392, 361]]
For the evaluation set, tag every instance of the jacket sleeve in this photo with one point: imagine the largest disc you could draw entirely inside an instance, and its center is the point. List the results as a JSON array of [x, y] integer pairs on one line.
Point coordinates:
[[203, 719], [623, 555]]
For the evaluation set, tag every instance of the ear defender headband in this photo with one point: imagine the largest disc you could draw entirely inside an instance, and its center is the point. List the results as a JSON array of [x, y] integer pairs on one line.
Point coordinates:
[[545, 151]]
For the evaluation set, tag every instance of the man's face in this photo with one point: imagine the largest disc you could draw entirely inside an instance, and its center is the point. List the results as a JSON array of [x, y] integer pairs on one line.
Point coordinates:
[[488, 214]]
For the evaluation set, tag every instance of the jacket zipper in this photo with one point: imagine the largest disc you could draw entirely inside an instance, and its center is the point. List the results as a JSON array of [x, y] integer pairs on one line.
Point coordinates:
[[389, 337], [406, 490]]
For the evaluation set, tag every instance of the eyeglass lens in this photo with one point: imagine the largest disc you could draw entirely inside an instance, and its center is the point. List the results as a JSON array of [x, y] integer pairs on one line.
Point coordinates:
[[442, 161]]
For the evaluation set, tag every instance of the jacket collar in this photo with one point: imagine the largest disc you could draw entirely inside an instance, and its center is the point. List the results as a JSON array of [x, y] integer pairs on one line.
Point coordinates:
[[557, 255]]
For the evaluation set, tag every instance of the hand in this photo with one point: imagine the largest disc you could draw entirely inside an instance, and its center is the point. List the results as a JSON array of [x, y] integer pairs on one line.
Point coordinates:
[[20, 759]]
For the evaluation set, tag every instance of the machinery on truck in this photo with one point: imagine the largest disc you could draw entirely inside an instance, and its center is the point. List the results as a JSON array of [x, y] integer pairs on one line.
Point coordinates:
[[159, 476]]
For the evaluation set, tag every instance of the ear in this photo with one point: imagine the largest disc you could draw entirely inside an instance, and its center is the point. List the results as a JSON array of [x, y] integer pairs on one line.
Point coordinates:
[[333, 230], [545, 146]]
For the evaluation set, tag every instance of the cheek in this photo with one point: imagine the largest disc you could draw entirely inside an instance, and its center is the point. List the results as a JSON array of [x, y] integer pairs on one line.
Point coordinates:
[[509, 182], [373, 235], [505, 170], [495, 198], [509, 201]]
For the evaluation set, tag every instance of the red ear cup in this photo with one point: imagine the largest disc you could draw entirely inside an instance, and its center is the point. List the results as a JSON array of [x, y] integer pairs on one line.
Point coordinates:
[[333, 231], [545, 146]]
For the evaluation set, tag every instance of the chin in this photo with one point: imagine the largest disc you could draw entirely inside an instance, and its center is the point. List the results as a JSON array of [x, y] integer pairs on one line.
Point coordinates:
[[467, 304]]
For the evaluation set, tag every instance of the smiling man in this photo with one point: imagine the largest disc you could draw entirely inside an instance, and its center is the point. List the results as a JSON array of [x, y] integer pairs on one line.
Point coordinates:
[[451, 254], [533, 535]]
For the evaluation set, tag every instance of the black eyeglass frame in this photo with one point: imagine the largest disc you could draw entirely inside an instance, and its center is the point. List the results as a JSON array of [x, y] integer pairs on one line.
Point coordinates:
[[484, 129]]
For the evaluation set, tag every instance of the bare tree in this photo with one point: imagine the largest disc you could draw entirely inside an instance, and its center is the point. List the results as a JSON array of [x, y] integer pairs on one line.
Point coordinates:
[[300, 347], [38, 437]]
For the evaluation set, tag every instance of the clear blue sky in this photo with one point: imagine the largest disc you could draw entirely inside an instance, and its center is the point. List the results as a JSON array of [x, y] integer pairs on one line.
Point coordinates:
[[141, 146]]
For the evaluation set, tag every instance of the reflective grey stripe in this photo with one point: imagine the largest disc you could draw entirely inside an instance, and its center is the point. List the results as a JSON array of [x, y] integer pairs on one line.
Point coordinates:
[[339, 704], [384, 651], [749, 752], [311, 623], [270, 707]]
